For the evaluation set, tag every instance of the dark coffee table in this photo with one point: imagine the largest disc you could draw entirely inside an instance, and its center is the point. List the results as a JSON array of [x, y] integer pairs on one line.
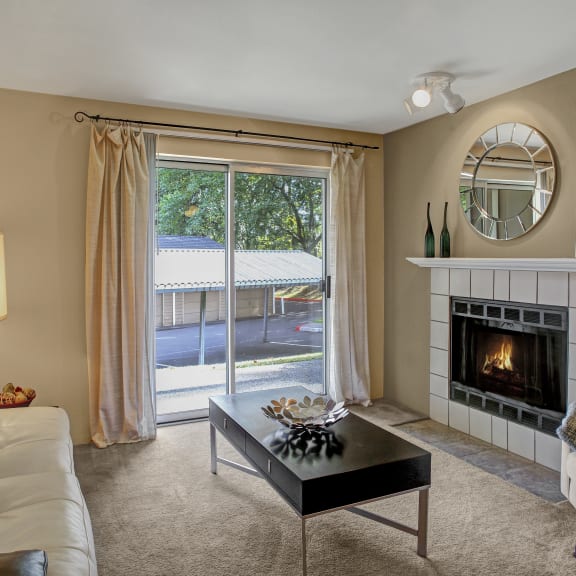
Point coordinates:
[[354, 462]]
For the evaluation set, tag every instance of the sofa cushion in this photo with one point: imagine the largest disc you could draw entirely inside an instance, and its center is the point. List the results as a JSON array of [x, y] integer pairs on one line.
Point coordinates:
[[19, 425], [36, 456], [47, 511], [34, 440], [23, 563]]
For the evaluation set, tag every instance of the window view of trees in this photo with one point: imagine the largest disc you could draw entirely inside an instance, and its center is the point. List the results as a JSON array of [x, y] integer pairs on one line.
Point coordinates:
[[272, 212], [191, 203]]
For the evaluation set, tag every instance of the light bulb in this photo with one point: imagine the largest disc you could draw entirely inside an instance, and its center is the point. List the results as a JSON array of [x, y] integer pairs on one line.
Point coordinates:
[[421, 98]]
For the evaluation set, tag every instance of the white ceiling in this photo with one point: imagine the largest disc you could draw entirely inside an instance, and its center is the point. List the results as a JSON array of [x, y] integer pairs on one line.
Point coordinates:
[[323, 62]]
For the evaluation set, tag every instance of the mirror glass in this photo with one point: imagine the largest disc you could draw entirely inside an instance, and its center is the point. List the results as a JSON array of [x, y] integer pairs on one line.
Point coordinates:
[[507, 181]]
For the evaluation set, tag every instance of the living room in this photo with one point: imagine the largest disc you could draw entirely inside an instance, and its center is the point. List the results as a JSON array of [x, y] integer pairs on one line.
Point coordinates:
[[42, 217]]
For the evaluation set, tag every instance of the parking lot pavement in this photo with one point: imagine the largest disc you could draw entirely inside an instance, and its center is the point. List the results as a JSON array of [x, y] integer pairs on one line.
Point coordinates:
[[288, 335]]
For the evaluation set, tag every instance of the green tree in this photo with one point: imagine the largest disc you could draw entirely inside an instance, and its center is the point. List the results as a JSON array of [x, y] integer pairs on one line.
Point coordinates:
[[179, 191], [272, 212], [278, 213]]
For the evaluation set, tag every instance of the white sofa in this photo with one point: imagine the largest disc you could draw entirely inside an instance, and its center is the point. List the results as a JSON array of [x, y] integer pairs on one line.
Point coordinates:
[[568, 473], [41, 504]]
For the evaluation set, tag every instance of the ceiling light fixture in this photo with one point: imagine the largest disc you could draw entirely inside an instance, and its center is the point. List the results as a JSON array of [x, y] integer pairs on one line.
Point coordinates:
[[426, 85]]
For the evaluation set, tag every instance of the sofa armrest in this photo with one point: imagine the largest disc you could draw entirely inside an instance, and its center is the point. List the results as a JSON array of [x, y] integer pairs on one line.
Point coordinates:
[[564, 478]]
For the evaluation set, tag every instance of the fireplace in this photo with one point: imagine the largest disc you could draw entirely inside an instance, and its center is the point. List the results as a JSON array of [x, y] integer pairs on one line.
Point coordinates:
[[510, 359]]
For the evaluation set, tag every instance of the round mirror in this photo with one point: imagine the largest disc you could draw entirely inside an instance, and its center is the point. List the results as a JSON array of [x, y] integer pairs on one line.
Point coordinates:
[[507, 181]]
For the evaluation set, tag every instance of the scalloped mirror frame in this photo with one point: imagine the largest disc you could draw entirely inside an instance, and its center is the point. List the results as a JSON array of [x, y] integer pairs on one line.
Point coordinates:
[[507, 181]]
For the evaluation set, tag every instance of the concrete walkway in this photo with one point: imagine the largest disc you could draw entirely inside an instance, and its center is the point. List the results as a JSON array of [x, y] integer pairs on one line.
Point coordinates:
[[188, 388]]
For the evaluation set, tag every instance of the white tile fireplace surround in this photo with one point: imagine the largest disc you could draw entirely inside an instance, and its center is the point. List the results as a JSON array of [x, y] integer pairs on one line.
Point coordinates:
[[550, 281]]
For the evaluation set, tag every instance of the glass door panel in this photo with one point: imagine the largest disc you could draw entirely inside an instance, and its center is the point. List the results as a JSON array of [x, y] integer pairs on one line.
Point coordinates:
[[189, 279], [278, 269]]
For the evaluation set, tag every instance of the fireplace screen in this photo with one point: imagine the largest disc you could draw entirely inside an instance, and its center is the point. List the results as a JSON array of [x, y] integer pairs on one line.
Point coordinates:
[[511, 352]]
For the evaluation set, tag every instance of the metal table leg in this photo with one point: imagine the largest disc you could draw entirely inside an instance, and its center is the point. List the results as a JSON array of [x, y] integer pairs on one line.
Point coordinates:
[[422, 548], [304, 571], [213, 455]]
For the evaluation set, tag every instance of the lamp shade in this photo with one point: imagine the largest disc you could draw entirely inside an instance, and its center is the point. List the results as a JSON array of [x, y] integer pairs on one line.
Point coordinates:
[[3, 300], [452, 102]]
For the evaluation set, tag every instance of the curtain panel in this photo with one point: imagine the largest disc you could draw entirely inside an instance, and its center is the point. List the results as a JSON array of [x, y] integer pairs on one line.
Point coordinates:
[[119, 285], [349, 368]]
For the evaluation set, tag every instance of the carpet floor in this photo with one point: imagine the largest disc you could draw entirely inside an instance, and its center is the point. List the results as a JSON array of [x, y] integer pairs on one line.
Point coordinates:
[[157, 511]]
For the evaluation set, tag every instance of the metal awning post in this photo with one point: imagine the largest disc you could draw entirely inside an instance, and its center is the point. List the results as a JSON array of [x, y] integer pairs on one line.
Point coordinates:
[[202, 331], [265, 337]]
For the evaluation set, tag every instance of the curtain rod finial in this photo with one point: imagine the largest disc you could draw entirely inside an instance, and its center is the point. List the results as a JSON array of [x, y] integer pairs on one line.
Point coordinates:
[[81, 116]]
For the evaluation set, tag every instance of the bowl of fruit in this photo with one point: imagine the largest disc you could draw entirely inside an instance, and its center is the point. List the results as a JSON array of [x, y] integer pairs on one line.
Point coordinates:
[[16, 397]]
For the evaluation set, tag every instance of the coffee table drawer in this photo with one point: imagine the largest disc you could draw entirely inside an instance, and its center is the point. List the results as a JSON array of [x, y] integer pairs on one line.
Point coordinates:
[[228, 427], [272, 469]]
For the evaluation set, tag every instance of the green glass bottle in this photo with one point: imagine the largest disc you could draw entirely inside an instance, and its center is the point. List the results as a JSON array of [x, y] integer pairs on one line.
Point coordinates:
[[429, 237], [445, 237]]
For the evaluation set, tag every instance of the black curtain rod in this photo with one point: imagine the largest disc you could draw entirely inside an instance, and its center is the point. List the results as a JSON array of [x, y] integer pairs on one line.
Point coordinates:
[[520, 160], [80, 116]]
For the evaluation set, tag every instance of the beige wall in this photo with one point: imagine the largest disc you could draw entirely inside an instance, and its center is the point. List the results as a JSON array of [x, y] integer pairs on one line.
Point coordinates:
[[43, 160], [422, 163]]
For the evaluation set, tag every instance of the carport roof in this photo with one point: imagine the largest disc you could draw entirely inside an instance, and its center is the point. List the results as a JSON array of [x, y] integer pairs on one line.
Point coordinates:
[[202, 270], [165, 241]]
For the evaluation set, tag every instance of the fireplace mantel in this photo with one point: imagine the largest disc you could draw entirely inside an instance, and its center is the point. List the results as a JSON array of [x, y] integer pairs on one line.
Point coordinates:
[[537, 264]]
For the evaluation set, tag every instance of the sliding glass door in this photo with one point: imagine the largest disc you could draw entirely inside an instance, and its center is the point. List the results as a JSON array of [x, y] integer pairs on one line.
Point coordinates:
[[279, 320], [239, 276]]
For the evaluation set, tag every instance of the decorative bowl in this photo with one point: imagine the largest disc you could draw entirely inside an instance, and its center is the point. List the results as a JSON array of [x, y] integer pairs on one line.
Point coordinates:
[[16, 397], [316, 414], [19, 405]]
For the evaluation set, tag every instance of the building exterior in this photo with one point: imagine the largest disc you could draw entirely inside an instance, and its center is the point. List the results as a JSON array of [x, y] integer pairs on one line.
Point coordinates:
[[190, 280]]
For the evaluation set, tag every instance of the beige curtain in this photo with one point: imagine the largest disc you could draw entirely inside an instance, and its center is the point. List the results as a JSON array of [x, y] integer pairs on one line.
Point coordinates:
[[349, 370], [119, 286]]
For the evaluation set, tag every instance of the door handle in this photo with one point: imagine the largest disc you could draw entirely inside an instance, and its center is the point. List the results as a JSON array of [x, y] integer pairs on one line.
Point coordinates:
[[327, 286]]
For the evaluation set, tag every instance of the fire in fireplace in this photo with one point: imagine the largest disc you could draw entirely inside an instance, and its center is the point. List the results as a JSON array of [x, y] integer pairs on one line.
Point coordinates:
[[510, 359], [499, 364]]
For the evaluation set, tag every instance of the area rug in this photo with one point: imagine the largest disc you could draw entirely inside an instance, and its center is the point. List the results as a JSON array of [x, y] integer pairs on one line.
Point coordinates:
[[158, 511]]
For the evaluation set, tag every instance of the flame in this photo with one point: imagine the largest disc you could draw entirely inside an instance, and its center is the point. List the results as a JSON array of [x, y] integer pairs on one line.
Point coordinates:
[[501, 359]]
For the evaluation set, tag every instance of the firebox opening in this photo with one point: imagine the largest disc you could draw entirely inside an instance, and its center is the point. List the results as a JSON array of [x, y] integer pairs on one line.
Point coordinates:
[[510, 359], [503, 365]]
